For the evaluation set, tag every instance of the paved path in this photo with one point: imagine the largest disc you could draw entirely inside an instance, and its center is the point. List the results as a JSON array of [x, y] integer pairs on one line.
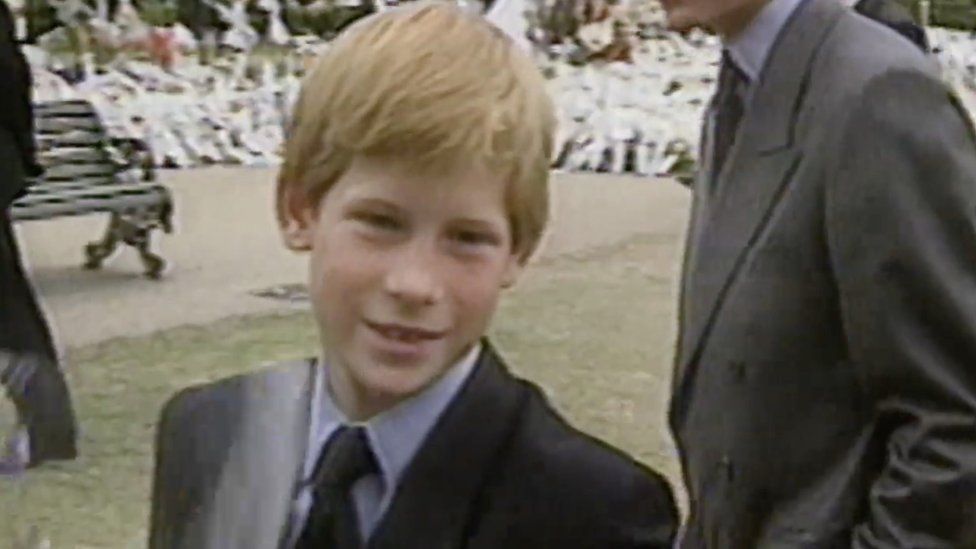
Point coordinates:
[[226, 247]]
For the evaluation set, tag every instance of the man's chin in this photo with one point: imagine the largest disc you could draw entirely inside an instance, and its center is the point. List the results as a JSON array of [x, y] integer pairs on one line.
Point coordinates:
[[681, 28], [678, 22]]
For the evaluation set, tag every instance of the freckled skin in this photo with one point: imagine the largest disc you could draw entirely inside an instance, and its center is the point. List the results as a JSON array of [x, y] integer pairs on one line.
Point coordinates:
[[391, 246]]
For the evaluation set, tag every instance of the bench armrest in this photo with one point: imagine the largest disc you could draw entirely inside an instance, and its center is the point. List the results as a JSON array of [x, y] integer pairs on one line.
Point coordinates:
[[133, 153]]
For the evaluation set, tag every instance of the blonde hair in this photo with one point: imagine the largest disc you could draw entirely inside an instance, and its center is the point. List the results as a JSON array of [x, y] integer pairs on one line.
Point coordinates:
[[427, 82]]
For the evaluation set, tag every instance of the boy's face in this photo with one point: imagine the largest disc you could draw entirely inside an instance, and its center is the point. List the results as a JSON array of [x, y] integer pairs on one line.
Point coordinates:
[[405, 273]]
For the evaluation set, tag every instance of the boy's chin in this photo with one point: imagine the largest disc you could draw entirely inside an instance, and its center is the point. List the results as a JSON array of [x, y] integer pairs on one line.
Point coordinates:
[[386, 386]]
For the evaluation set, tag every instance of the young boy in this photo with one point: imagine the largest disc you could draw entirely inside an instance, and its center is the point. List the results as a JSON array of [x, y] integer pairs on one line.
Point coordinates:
[[415, 176]]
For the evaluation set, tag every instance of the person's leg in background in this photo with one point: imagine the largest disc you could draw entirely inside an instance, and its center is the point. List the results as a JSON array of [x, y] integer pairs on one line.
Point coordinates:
[[30, 373]]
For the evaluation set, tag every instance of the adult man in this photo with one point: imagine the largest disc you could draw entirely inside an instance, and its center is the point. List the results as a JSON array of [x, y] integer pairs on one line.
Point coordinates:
[[894, 15], [825, 387], [28, 361]]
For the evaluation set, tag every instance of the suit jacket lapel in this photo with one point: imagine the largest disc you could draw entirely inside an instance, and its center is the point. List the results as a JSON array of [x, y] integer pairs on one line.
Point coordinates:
[[699, 205], [256, 489], [436, 496], [758, 169]]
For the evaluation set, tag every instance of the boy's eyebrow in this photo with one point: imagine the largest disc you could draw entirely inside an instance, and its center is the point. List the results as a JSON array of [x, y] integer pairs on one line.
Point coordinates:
[[377, 202], [479, 222], [373, 201]]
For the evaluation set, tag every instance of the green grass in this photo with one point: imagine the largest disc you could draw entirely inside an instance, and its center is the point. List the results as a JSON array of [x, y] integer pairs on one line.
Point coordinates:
[[595, 331]]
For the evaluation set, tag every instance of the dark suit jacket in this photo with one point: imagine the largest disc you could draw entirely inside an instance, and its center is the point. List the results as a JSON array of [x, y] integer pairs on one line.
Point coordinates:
[[17, 153], [825, 385], [499, 470], [895, 16], [42, 401]]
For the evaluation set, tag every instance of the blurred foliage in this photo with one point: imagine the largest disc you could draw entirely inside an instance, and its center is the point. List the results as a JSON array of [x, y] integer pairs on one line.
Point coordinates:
[[957, 14], [41, 18], [327, 23], [199, 17], [158, 13], [558, 19]]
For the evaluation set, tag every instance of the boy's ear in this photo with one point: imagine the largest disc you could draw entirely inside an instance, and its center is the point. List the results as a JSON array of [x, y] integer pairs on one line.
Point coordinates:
[[514, 268], [295, 216]]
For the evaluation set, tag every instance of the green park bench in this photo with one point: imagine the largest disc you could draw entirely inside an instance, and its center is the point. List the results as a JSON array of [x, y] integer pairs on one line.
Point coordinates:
[[88, 172]]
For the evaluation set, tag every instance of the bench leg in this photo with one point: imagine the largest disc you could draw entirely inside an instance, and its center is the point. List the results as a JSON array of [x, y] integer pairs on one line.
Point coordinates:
[[97, 252], [154, 264], [137, 232], [134, 231]]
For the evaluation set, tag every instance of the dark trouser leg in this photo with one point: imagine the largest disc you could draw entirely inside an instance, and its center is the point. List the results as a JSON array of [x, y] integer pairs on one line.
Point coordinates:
[[36, 384]]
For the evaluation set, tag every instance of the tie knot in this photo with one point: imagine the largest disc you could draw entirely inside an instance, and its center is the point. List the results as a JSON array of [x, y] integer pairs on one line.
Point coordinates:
[[346, 458]]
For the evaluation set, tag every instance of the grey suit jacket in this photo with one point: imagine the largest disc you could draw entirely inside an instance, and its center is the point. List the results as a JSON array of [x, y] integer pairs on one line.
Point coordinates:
[[894, 15], [500, 469], [825, 384]]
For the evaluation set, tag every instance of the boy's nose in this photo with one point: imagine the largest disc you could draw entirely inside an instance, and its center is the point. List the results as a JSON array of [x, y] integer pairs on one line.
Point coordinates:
[[413, 279]]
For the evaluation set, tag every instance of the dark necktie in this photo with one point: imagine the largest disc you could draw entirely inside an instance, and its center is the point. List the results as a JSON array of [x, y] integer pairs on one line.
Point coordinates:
[[332, 522], [729, 106]]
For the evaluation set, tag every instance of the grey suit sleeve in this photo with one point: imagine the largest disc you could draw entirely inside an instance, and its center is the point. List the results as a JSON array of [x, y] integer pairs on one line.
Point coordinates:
[[901, 231]]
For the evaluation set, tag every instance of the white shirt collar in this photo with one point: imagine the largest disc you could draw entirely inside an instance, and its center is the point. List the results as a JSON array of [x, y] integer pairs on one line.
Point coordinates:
[[395, 435], [751, 47]]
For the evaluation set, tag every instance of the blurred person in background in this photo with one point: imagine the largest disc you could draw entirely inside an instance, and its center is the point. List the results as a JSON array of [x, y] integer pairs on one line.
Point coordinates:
[[28, 361]]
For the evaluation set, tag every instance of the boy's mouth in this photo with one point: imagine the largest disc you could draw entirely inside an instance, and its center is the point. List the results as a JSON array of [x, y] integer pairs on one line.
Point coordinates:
[[407, 334]]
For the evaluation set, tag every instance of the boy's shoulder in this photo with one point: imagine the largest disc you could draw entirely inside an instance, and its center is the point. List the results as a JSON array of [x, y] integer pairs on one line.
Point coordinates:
[[550, 453], [558, 484], [573, 460], [223, 396]]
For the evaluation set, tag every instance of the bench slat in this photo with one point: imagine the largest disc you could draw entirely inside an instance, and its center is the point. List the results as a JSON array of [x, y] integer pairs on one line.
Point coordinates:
[[83, 207], [48, 186], [75, 155], [64, 110], [61, 108], [81, 174], [59, 125], [119, 192], [69, 139], [58, 172], [104, 191]]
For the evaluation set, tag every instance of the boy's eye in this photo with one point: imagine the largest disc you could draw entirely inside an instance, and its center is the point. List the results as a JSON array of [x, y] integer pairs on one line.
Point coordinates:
[[476, 238], [378, 220]]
